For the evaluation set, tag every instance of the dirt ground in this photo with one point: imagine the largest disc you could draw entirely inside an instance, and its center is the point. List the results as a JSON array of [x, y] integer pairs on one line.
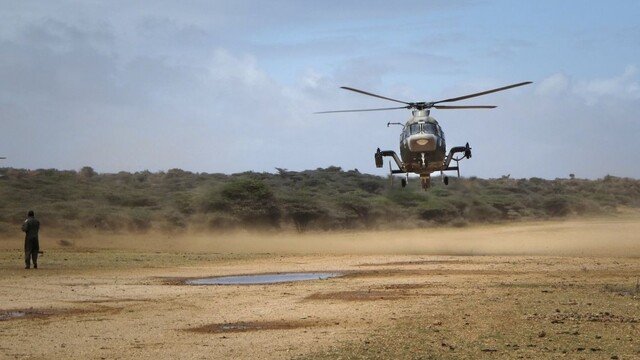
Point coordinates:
[[535, 290]]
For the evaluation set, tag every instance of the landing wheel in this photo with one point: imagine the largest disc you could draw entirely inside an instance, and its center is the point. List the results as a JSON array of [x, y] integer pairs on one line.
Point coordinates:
[[403, 181], [445, 180]]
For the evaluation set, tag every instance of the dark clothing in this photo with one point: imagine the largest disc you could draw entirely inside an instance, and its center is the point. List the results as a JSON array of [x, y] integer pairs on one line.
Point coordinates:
[[31, 226]]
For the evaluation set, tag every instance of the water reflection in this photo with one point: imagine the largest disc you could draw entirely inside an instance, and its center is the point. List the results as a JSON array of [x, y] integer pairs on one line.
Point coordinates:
[[12, 315], [263, 279]]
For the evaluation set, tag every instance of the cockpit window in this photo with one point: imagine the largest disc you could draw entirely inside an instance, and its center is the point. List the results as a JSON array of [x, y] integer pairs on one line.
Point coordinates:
[[426, 127], [430, 128]]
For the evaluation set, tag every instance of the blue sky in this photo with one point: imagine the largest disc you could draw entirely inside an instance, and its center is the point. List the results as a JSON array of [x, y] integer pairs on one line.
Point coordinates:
[[231, 86]]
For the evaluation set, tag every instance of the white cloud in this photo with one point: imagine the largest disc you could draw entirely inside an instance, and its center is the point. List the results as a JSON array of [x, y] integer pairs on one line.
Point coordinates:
[[624, 86], [225, 66], [553, 85]]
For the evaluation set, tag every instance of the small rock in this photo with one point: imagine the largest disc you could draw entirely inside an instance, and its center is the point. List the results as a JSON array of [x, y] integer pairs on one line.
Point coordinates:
[[451, 347], [542, 334]]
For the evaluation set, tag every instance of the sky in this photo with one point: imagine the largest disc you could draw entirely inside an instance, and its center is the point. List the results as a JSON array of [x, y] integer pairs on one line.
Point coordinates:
[[233, 86]]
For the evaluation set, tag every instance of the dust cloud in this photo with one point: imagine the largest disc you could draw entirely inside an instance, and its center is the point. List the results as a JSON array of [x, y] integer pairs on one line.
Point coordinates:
[[617, 237]]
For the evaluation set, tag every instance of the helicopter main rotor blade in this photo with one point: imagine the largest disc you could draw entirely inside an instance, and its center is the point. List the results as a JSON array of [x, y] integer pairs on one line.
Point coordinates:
[[427, 105], [482, 93], [445, 107], [375, 95], [360, 110]]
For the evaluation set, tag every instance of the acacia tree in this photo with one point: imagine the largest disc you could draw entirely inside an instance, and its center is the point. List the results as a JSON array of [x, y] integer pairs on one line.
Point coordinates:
[[87, 172], [303, 211], [250, 201], [357, 205]]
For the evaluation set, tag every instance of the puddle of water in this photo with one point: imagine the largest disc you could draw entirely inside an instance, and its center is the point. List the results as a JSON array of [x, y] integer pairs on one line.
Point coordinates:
[[237, 327], [263, 279], [12, 315], [253, 326]]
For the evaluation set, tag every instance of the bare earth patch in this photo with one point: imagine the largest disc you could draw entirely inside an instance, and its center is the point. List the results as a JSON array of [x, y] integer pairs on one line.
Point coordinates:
[[547, 290]]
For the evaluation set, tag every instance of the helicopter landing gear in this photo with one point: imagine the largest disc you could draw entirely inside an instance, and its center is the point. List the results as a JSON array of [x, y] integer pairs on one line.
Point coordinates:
[[466, 154], [403, 182], [378, 158], [445, 179], [425, 181], [423, 161]]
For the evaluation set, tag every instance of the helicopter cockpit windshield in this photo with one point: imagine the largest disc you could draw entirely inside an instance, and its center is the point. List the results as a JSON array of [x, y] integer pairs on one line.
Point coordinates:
[[430, 128], [427, 128]]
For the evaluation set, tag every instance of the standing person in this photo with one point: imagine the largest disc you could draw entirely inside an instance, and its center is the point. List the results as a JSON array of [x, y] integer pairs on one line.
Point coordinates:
[[31, 226]]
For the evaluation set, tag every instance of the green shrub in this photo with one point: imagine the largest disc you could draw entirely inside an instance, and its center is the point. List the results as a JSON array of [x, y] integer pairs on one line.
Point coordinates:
[[483, 213], [557, 206], [250, 201], [303, 210]]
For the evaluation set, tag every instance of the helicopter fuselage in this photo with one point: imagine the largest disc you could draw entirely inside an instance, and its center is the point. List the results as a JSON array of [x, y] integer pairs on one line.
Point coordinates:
[[422, 144], [423, 149]]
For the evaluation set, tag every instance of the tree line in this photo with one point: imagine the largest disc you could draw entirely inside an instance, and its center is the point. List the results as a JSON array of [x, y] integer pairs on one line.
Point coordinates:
[[73, 202]]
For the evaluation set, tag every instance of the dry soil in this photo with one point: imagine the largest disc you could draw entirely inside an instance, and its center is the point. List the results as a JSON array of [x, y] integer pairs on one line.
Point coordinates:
[[536, 290]]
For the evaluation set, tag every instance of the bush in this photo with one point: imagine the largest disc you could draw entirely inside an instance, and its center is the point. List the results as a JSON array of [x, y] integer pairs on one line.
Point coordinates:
[[250, 201], [139, 221], [442, 212], [557, 207], [483, 213], [303, 210]]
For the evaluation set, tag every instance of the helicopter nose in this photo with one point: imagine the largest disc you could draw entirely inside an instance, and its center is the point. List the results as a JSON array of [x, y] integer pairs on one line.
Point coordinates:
[[422, 142]]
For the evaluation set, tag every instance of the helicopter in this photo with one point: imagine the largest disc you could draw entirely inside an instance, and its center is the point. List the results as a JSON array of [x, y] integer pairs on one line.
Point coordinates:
[[422, 142]]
